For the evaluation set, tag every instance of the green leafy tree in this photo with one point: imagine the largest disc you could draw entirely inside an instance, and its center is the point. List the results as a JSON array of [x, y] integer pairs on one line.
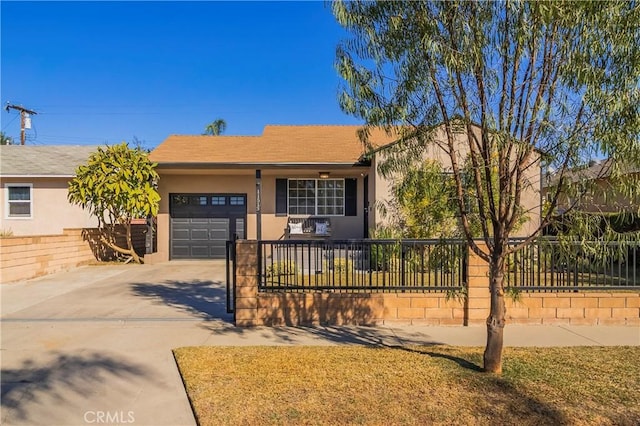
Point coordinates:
[[519, 82], [422, 203], [216, 127], [5, 140], [117, 185], [423, 200]]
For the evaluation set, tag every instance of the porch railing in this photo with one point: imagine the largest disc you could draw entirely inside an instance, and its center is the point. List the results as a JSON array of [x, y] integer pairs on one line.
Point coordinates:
[[551, 265], [362, 265]]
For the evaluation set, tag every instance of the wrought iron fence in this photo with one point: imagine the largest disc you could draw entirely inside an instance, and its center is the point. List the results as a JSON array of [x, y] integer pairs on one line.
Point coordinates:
[[362, 265], [552, 265], [231, 276]]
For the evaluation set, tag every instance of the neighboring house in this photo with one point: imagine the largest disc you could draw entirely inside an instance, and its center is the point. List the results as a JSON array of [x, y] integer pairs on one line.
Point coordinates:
[[34, 182], [602, 197], [216, 188]]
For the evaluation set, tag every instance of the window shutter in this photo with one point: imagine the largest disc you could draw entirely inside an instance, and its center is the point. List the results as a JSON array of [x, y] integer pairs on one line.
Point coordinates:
[[281, 197], [350, 197]]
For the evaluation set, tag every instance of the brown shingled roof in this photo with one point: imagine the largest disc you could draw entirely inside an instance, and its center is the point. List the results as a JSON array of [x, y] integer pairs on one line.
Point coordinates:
[[325, 144]]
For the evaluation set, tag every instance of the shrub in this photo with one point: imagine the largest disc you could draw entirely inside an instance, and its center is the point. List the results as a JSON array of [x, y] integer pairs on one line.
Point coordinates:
[[283, 267]]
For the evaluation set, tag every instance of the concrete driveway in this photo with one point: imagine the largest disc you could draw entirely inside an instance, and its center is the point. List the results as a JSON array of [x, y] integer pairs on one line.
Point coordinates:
[[94, 345]]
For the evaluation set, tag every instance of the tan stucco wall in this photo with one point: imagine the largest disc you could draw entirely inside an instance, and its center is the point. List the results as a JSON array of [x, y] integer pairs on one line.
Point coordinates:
[[50, 210], [244, 182]]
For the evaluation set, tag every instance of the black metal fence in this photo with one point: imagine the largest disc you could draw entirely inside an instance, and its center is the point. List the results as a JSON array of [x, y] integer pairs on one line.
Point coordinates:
[[231, 276], [552, 265], [362, 265]]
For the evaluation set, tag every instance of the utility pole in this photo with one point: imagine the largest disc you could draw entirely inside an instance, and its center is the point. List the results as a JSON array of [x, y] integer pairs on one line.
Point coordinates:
[[24, 115]]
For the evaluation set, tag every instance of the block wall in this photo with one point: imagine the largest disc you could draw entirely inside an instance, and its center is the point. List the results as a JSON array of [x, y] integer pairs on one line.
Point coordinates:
[[28, 257], [326, 308]]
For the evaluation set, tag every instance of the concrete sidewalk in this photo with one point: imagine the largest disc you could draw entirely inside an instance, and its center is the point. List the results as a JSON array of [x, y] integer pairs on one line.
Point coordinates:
[[95, 343]]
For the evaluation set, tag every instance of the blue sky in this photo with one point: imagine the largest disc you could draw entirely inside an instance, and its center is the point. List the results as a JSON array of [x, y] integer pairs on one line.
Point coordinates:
[[103, 72]]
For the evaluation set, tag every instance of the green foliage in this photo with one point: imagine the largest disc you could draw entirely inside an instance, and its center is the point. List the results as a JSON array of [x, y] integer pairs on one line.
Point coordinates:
[[508, 81], [5, 140], [384, 257], [116, 185], [443, 256], [216, 127], [339, 265], [459, 294], [603, 238], [423, 203], [283, 267], [512, 293]]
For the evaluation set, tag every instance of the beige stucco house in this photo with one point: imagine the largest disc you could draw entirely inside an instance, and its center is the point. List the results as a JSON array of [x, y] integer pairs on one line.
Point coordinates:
[[602, 197], [216, 188], [34, 183]]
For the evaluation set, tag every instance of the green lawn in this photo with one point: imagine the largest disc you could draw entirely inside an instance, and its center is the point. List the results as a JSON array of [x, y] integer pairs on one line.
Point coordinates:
[[422, 385]]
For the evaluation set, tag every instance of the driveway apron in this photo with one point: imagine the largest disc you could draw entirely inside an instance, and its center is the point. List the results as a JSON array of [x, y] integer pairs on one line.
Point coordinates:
[[93, 345]]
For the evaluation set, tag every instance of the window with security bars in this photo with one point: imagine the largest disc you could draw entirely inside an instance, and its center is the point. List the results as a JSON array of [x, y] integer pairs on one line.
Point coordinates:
[[316, 197]]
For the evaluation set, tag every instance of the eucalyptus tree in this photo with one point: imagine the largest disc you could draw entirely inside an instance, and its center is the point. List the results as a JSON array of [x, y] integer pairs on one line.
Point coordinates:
[[526, 83], [216, 127]]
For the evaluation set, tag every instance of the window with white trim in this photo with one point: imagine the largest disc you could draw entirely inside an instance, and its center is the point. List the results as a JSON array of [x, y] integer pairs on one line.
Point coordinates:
[[19, 200], [322, 197]]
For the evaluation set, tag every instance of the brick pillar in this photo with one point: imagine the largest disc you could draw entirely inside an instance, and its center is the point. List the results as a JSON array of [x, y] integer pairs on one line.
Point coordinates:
[[246, 283], [478, 296]]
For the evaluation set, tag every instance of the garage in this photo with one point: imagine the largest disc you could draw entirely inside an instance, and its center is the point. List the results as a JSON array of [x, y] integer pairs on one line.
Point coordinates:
[[201, 224]]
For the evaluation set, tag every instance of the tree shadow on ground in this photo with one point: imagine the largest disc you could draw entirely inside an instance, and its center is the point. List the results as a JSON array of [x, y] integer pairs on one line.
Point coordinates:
[[353, 335], [205, 300], [32, 382], [501, 395], [466, 364]]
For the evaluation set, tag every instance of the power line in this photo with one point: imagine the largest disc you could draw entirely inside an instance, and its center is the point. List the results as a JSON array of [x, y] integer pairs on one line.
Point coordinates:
[[10, 121]]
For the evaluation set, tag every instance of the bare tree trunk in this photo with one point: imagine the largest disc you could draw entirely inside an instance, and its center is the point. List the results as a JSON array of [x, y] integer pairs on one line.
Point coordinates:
[[107, 237], [496, 320], [132, 251]]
